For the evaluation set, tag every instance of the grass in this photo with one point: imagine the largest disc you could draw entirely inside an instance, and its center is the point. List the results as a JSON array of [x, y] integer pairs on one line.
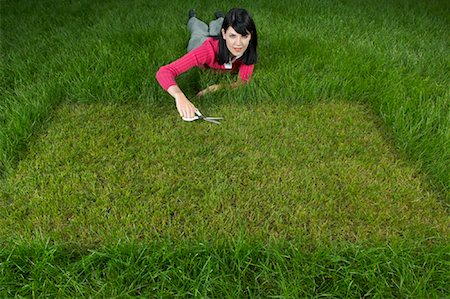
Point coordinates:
[[103, 172], [329, 176], [227, 269], [391, 56]]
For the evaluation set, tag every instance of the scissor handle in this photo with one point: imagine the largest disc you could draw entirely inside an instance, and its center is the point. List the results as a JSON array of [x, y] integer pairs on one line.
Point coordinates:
[[191, 118], [200, 116], [198, 113], [197, 116]]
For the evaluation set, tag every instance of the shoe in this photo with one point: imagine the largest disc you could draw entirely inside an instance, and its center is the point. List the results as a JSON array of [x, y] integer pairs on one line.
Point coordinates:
[[218, 14], [192, 14]]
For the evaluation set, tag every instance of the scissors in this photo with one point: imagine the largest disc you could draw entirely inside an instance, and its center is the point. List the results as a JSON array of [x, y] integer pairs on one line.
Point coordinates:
[[198, 115]]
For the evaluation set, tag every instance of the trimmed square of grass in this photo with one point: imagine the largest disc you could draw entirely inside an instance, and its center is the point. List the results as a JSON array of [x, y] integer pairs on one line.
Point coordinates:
[[101, 173]]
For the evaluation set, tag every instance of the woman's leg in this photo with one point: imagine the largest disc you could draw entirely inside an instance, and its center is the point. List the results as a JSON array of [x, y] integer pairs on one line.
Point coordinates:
[[215, 26], [199, 32]]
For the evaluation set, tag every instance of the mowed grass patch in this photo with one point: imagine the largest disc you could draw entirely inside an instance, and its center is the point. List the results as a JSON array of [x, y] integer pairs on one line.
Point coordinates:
[[103, 173]]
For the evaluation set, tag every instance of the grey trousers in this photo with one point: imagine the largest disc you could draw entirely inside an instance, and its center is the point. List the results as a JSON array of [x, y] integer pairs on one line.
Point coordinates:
[[200, 31]]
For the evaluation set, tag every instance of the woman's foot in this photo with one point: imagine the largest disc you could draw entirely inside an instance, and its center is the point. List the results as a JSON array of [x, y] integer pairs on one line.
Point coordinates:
[[218, 14], [191, 14]]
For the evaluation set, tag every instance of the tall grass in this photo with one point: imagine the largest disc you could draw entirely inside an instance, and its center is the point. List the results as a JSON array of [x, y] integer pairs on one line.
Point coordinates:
[[344, 92], [226, 269]]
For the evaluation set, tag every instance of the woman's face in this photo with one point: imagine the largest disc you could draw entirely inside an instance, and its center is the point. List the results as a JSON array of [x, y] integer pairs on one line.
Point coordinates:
[[236, 43]]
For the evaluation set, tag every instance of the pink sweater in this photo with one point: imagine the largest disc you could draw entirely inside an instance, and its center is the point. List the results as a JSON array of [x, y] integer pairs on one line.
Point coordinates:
[[203, 56]]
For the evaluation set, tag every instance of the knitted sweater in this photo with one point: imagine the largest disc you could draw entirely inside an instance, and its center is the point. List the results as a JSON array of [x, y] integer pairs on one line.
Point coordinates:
[[203, 56]]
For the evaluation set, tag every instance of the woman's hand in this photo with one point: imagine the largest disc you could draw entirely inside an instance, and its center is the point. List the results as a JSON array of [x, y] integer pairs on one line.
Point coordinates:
[[185, 107], [209, 89]]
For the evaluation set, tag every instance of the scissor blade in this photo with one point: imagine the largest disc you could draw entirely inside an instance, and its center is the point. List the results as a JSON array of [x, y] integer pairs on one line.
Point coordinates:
[[211, 120]]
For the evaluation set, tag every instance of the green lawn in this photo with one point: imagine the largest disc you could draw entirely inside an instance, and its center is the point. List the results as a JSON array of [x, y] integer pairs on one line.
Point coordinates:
[[328, 177], [103, 173]]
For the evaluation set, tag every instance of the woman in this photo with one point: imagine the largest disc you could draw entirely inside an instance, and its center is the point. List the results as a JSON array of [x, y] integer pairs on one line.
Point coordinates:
[[233, 48]]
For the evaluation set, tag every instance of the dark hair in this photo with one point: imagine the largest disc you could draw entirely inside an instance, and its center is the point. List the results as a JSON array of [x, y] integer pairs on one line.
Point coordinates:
[[242, 23]]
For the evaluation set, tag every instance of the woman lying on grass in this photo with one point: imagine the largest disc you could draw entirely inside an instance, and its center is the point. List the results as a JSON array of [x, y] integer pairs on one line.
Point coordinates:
[[228, 44]]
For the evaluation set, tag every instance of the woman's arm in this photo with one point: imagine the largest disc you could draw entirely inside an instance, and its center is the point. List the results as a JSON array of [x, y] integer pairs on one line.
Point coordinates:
[[216, 87], [166, 76], [210, 89], [245, 73]]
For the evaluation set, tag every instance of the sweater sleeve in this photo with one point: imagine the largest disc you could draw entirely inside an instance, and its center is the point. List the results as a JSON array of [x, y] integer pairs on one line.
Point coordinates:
[[245, 72], [166, 75]]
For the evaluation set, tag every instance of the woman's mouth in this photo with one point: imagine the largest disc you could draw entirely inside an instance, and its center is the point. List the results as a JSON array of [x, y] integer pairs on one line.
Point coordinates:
[[237, 49]]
